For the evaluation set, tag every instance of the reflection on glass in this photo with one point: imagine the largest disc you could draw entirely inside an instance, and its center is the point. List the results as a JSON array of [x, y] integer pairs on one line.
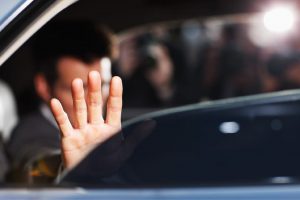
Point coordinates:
[[10, 9]]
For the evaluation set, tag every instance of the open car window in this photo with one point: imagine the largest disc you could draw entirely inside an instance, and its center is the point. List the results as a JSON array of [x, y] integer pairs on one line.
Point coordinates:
[[190, 64], [210, 58]]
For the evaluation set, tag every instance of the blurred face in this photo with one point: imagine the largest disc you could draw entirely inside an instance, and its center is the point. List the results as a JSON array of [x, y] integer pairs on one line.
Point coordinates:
[[68, 69], [163, 72]]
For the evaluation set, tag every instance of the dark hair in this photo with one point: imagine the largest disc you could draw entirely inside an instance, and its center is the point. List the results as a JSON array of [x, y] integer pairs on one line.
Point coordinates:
[[230, 31], [81, 40]]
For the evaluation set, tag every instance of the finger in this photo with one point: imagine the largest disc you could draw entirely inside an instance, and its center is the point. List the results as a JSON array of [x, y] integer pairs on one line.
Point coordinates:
[[114, 104], [94, 98], [61, 118], [79, 103]]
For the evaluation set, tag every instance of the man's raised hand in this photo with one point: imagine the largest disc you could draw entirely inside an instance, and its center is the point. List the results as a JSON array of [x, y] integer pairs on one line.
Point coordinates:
[[89, 129]]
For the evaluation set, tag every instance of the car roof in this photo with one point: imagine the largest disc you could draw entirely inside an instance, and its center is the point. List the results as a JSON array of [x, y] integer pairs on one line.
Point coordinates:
[[118, 15], [121, 15]]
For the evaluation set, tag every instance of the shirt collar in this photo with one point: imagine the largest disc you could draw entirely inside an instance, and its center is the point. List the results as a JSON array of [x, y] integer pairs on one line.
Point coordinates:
[[46, 112]]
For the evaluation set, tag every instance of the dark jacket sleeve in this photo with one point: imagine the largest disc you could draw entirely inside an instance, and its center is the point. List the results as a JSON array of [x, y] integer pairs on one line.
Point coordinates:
[[32, 140], [3, 163]]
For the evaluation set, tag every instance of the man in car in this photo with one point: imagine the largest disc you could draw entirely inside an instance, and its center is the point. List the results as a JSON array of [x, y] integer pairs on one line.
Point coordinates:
[[70, 58]]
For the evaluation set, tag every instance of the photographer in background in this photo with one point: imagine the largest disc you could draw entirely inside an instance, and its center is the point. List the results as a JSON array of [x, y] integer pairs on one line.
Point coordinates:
[[148, 79]]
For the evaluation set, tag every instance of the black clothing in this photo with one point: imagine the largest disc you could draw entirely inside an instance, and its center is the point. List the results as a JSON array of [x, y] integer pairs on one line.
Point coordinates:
[[33, 138], [3, 163]]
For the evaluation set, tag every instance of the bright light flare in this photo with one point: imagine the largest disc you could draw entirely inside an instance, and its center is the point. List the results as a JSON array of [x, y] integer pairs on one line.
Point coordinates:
[[229, 127], [280, 19]]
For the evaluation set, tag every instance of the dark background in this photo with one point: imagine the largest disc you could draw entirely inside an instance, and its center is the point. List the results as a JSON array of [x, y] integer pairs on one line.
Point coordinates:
[[120, 15]]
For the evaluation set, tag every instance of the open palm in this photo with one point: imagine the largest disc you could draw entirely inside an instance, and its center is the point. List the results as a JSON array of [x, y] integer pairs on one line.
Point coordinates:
[[90, 129]]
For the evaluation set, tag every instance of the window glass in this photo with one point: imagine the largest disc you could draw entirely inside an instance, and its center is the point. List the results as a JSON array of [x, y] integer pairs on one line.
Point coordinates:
[[9, 9]]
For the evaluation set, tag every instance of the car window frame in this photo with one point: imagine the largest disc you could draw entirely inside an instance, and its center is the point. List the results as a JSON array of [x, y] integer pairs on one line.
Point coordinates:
[[27, 23]]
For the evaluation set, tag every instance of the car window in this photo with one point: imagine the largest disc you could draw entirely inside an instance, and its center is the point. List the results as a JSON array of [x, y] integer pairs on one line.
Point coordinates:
[[242, 140], [178, 63]]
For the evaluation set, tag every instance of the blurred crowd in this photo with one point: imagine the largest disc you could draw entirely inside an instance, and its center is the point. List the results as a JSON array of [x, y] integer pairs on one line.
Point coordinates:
[[165, 67]]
